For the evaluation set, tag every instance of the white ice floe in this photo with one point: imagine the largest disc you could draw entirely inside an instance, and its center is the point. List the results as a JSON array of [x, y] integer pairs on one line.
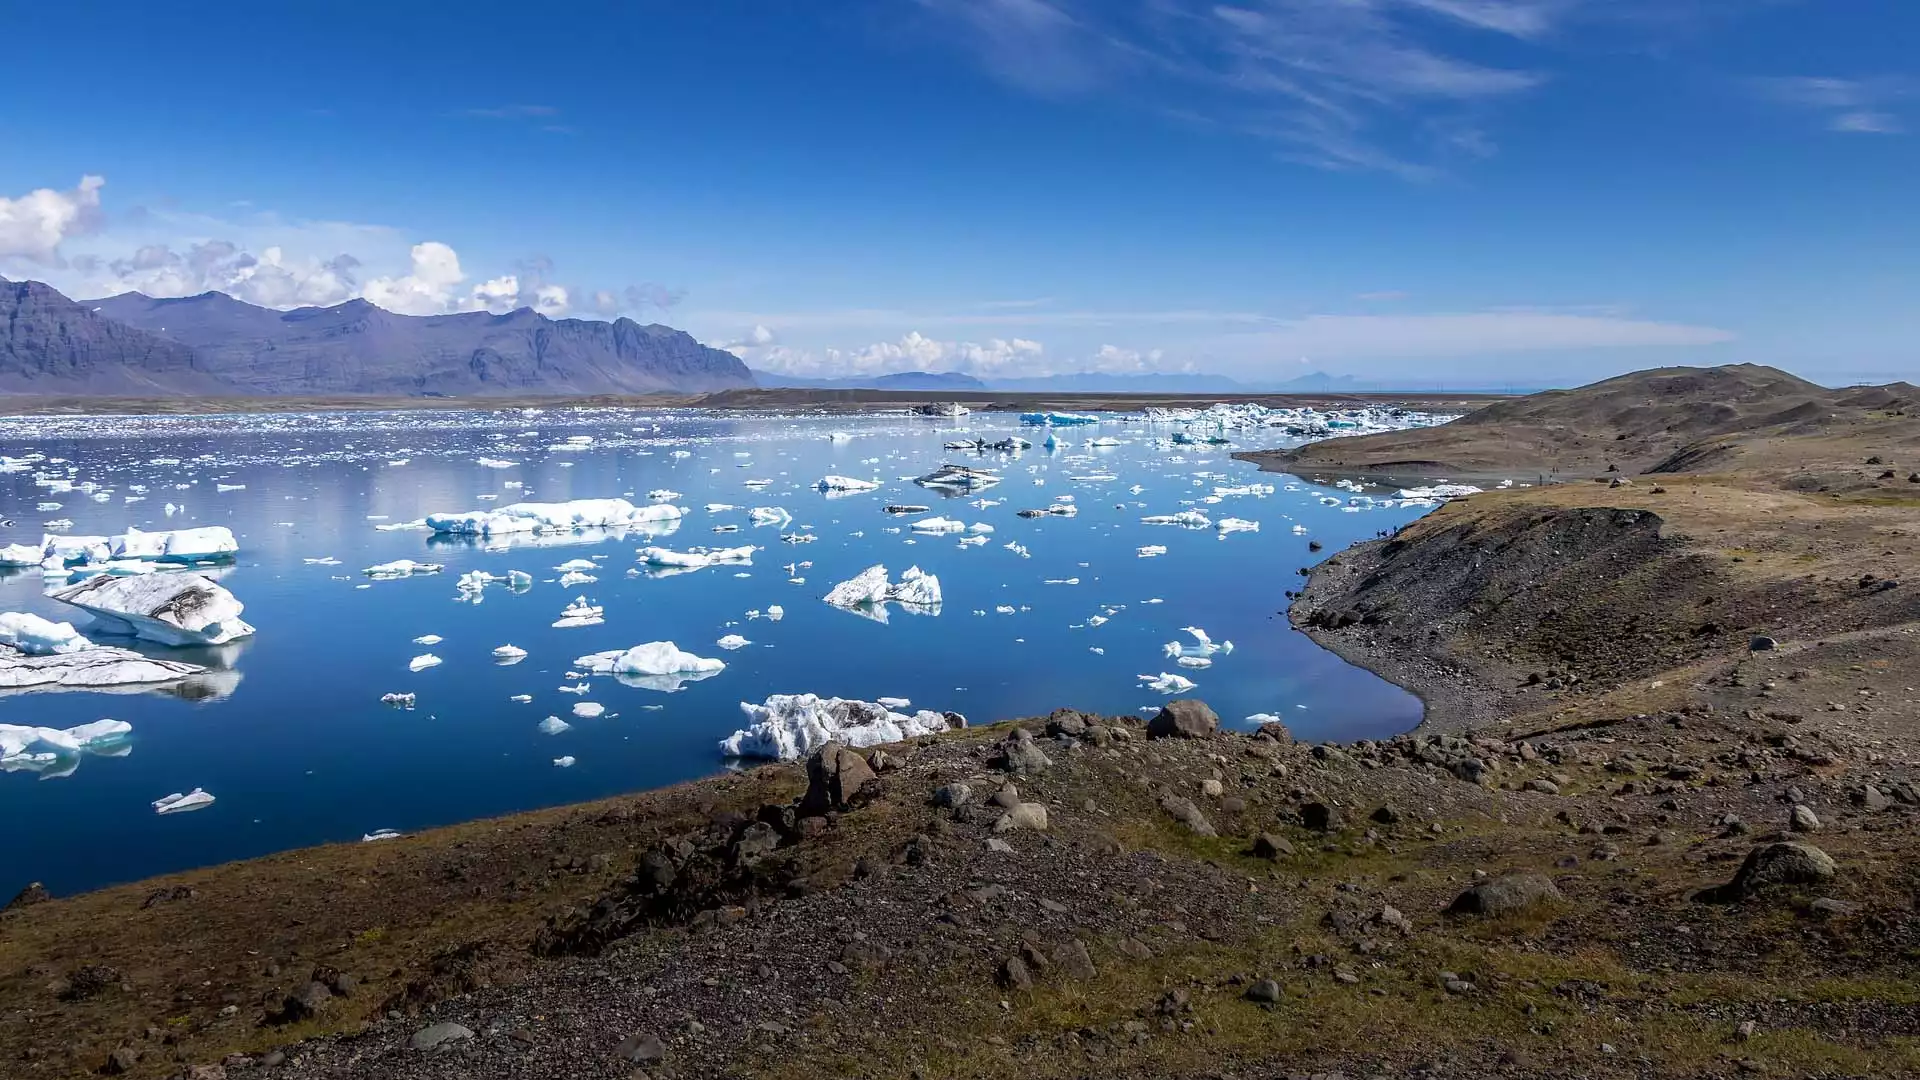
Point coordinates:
[[399, 701], [34, 636], [400, 568], [790, 726], [496, 463], [21, 555], [895, 703], [170, 609], [381, 834], [564, 762], [663, 495], [423, 662], [38, 749], [206, 543], [588, 710], [1233, 525], [1203, 646], [1149, 551], [869, 591], [509, 654], [97, 668], [846, 485], [770, 515], [1263, 718], [530, 517], [176, 803], [657, 665], [1437, 491], [954, 479], [1190, 519], [732, 642], [695, 558], [553, 725], [1168, 684], [578, 566], [939, 525], [574, 578], [428, 639], [580, 613]]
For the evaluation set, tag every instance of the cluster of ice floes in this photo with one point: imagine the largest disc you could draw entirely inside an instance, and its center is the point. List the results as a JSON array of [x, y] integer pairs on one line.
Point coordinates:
[[695, 558], [580, 613], [168, 609], [45, 750], [131, 552], [789, 726], [657, 665], [869, 591], [1303, 422], [533, 517], [1199, 654]]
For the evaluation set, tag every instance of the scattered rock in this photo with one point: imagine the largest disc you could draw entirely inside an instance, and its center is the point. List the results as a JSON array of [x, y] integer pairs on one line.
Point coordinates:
[[1212, 788], [437, 1035], [1761, 643], [1184, 719], [1030, 815], [1784, 862], [837, 778], [1073, 961], [952, 796], [1385, 815], [1020, 754], [1319, 817], [1543, 786], [1014, 976], [1802, 819], [1183, 811], [641, 1048], [1264, 992], [1508, 893], [309, 1001], [1270, 846], [122, 1060]]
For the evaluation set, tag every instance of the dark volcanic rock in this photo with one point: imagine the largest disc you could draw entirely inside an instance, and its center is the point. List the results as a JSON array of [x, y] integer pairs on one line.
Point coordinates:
[[1783, 863], [835, 777], [1186, 719], [1507, 893]]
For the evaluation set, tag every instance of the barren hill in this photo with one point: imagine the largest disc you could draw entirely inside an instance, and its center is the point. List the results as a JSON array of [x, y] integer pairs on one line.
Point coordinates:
[[1664, 420]]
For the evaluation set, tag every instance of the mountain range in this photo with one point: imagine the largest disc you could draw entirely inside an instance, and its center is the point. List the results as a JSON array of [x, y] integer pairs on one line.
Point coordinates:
[[138, 345]]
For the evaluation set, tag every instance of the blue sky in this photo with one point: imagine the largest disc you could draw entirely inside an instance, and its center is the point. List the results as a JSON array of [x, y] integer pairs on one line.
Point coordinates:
[[1489, 191]]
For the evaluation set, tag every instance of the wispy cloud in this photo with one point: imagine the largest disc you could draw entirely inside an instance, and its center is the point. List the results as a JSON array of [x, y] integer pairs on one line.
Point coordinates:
[[512, 112], [1387, 85], [1863, 106]]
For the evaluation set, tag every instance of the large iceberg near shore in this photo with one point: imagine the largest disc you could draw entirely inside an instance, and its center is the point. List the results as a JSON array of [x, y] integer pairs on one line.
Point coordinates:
[[790, 726], [532, 517], [657, 665], [169, 609]]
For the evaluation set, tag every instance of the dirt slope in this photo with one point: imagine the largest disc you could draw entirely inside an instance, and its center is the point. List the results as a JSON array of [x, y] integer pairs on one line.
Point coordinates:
[[1666, 420]]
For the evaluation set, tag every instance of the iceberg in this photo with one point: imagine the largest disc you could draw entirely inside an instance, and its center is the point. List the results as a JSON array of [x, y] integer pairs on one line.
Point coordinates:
[[869, 591], [958, 479], [695, 558], [580, 613], [657, 665], [400, 568], [553, 725], [531, 517], [509, 654], [176, 803], [1168, 684], [21, 555], [1189, 519], [846, 484], [34, 636], [1058, 419], [399, 701], [588, 710], [770, 515], [564, 762], [939, 525], [381, 834], [1233, 525], [37, 749], [1438, 491], [1148, 551], [177, 545], [1203, 646], [732, 642], [169, 609], [423, 662], [428, 639], [97, 667], [790, 726]]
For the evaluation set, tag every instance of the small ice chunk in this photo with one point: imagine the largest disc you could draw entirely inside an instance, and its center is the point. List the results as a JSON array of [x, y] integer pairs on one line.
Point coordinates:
[[553, 725], [1233, 525], [1149, 551], [770, 515], [565, 762], [510, 653], [580, 613], [695, 558], [656, 665], [34, 636], [588, 710], [401, 701], [381, 834], [895, 703], [1168, 684], [400, 568], [428, 639], [732, 642], [1189, 519], [870, 589], [530, 517], [939, 525], [521, 699], [846, 484], [423, 662], [176, 803]]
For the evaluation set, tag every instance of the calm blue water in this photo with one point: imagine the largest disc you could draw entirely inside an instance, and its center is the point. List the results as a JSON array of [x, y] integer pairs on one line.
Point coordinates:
[[301, 751]]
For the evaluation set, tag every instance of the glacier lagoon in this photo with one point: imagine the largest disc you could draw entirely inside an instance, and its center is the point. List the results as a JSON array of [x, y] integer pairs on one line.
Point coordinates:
[[1086, 608]]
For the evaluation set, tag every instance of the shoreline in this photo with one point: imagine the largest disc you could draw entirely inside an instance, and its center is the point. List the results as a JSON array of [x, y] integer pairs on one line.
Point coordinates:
[[826, 401]]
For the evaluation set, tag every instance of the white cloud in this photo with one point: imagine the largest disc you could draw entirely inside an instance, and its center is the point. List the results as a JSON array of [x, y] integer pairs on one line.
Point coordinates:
[[914, 351], [271, 279], [33, 226], [1855, 106]]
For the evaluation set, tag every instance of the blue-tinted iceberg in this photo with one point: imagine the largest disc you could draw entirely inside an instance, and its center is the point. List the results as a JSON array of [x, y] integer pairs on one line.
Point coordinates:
[[169, 609]]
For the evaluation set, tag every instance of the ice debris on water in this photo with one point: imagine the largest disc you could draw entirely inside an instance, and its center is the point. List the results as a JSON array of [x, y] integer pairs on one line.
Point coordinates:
[[176, 803], [38, 749], [588, 710], [656, 665], [869, 592], [399, 701], [1203, 646], [423, 662], [1188, 519], [790, 726], [509, 654], [695, 558], [1233, 525], [531, 517], [400, 568], [580, 613], [732, 642], [428, 639], [846, 485], [381, 834], [1168, 684], [168, 609], [770, 515], [564, 762], [34, 636], [553, 725]]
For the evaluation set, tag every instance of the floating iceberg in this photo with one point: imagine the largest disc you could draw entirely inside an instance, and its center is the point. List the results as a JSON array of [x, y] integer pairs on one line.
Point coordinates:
[[770, 515], [532, 517], [94, 668], [170, 609], [695, 558], [732, 642], [1438, 491], [588, 710], [21, 555], [1058, 419], [846, 484], [869, 592], [939, 525], [1149, 551], [178, 545], [1189, 519], [176, 803], [1233, 525], [399, 701], [564, 762], [34, 636], [553, 725], [1168, 684], [423, 662], [580, 613], [381, 834], [400, 568], [1202, 647], [509, 654], [657, 665], [37, 749], [956, 479], [790, 726]]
